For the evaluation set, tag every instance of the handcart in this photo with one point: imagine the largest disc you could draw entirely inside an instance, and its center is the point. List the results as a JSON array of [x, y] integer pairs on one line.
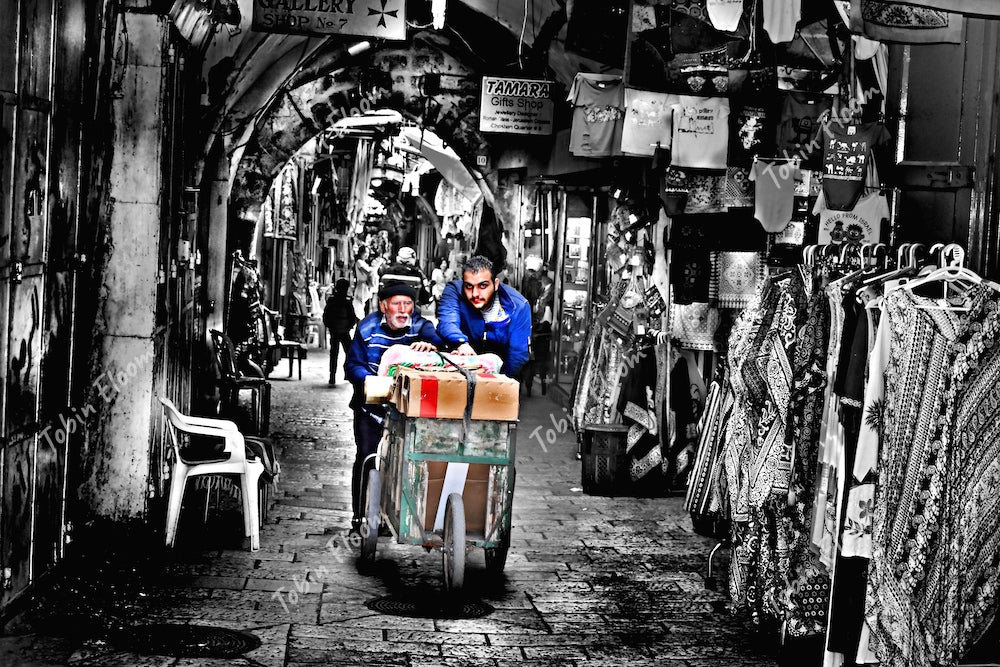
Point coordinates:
[[465, 465]]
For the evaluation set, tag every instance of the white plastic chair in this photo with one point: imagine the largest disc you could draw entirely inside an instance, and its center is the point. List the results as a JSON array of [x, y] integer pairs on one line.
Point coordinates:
[[231, 460]]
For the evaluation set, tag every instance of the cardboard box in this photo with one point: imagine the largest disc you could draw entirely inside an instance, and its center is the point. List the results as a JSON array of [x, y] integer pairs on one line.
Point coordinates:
[[473, 497], [443, 395]]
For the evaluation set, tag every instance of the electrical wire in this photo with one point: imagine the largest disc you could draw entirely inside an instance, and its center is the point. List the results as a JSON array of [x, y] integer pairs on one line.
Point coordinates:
[[520, 41]]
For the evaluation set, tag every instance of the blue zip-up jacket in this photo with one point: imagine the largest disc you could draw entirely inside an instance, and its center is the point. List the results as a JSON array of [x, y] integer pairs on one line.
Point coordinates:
[[372, 339], [461, 322]]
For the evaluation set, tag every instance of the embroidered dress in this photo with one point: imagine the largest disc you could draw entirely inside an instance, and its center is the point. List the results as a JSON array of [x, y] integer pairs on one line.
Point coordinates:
[[960, 598], [907, 502]]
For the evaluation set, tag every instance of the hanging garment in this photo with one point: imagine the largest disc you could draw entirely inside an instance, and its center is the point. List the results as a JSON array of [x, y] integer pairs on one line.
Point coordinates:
[[706, 193], [780, 19], [799, 130], [739, 188], [637, 406], [846, 158], [647, 122], [598, 112], [863, 223], [736, 277], [701, 132], [725, 14], [751, 133], [963, 589], [706, 497], [901, 441], [690, 274], [694, 325], [905, 23], [774, 193]]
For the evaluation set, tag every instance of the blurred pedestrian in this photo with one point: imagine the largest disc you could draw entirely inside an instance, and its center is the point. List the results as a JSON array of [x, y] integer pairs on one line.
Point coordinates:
[[339, 318]]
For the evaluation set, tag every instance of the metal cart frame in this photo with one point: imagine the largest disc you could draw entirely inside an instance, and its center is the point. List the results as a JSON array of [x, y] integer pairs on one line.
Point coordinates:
[[397, 495]]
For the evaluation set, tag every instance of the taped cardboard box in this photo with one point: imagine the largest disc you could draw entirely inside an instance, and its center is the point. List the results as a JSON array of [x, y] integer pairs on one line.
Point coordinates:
[[443, 395], [473, 497]]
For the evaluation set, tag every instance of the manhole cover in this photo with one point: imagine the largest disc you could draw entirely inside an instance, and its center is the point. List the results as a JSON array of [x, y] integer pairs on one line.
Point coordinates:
[[429, 607], [187, 641]]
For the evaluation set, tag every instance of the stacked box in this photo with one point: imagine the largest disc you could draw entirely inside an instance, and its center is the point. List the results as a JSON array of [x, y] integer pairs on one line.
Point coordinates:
[[443, 394]]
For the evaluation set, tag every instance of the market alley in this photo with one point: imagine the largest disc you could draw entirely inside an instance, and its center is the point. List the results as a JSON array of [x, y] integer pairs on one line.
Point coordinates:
[[589, 580]]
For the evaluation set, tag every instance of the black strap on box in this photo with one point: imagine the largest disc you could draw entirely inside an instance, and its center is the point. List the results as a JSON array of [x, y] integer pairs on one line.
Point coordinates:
[[470, 386]]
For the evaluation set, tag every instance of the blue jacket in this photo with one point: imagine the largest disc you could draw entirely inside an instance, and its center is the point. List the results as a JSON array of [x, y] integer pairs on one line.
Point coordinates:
[[461, 322], [372, 339]]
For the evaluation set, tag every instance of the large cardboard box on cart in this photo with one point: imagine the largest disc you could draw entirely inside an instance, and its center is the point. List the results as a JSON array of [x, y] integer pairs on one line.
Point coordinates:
[[443, 394]]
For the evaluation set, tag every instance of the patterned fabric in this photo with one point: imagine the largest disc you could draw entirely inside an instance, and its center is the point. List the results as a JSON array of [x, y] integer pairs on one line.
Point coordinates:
[[690, 275], [899, 22], [706, 193], [694, 325], [906, 508], [736, 277], [705, 495], [808, 588], [758, 461], [968, 570], [739, 188]]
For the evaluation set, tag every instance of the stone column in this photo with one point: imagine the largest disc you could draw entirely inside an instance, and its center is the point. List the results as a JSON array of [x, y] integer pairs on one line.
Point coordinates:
[[116, 453]]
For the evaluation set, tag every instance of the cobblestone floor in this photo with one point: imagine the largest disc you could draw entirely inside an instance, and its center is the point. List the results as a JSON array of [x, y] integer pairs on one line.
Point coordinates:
[[590, 581]]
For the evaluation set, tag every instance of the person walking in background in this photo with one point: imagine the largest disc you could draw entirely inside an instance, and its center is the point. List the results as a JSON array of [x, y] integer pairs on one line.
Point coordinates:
[[339, 318], [363, 272]]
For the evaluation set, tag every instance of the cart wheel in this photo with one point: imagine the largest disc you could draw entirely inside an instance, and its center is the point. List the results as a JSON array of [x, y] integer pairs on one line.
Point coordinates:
[[453, 551], [369, 529], [496, 557]]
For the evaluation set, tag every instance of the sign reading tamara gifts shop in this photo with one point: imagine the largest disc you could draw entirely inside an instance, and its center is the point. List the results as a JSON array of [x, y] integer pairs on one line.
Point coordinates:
[[385, 19], [516, 106]]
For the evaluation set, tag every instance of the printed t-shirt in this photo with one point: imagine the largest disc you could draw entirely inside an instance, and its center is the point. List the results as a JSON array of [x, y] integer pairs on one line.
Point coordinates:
[[774, 194], [647, 121], [751, 133], [846, 155], [799, 127], [861, 224], [701, 132], [598, 101]]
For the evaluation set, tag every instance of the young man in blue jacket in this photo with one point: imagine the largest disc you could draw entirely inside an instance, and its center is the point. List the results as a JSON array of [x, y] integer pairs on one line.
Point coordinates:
[[396, 323], [479, 314]]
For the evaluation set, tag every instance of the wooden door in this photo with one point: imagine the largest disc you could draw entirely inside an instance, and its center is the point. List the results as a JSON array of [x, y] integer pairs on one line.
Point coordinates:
[[943, 99]]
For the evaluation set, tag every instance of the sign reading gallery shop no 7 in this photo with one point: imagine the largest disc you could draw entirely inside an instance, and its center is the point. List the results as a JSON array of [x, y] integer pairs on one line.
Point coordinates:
[[385, 19], [516, 106]]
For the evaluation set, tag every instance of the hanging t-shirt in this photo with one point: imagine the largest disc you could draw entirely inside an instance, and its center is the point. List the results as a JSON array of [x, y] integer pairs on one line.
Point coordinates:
[[846, 154], [701, 132], [861, 224], [647, 121], [780, 18], [725, 14], [751, 133], [774, 194], [598, 114], [799, 127]]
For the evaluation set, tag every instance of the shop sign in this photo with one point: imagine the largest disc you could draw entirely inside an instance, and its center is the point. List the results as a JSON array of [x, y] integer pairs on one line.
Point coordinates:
[[384, 19], [516, 106]]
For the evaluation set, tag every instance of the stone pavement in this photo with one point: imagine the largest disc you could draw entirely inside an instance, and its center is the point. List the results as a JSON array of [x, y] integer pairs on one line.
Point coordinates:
[[590, 581]]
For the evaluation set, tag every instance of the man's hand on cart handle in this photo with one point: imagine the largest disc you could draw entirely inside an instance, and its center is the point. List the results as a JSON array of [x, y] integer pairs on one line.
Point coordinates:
[[464, 349], [422, 346]]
